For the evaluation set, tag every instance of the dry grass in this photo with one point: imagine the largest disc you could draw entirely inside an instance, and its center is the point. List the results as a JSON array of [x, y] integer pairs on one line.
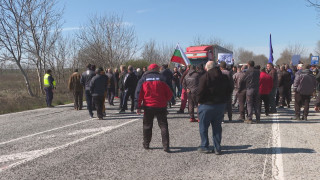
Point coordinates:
[[14, 96]]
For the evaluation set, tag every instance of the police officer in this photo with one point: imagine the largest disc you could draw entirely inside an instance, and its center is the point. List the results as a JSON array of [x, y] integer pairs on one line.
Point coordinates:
[[49, 85]]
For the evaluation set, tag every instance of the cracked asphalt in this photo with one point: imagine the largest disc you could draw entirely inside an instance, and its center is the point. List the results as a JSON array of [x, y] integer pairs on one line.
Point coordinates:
[[61, 143]]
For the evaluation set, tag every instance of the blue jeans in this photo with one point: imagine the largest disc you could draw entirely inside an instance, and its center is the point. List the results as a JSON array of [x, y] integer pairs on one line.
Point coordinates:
[[211, 114]]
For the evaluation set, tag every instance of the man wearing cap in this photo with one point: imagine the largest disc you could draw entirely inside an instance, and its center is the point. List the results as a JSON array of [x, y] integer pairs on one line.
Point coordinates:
[[130, 84], [152, 94]]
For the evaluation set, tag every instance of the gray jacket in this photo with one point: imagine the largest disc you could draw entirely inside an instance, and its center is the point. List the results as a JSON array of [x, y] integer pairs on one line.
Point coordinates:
[[305, 83], [191, 81]]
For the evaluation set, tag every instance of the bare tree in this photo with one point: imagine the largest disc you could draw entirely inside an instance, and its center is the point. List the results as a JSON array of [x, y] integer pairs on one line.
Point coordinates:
[[43, 29], [150, 52], [287, 53], [107, 41], [199, 40], [12, 33], [242, 56]]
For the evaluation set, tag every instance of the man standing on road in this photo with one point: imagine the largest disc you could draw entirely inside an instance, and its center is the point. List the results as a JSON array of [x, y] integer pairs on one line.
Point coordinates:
[[49, 85], [166, 72], [213, 93], [272, 96], [123, 74], [184, 94], [130, 84], [191, 83], [75, 86], [98, 86], [304, 86], [223, 68], [111, 86], [265, 88], [85, 81], [251, 79], [284, 87], [152, 94]]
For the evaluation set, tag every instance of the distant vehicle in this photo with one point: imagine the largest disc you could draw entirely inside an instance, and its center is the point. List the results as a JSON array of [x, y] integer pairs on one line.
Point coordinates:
[[204, 53]]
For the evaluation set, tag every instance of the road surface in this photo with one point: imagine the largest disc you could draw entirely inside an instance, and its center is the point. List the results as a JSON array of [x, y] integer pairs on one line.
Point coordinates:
[[61, 143]]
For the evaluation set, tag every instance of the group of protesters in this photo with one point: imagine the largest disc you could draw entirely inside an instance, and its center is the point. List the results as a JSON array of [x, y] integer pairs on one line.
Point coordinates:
[[213, 88]]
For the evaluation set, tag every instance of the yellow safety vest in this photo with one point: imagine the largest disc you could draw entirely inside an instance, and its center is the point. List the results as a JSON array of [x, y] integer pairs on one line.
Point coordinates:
[[46, 81]]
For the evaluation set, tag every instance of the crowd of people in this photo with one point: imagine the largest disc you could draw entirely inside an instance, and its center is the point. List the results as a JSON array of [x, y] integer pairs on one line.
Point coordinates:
[[214, 89]]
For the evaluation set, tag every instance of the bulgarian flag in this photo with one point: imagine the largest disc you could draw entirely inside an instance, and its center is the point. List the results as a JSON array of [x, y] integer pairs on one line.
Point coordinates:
[[179, 56]]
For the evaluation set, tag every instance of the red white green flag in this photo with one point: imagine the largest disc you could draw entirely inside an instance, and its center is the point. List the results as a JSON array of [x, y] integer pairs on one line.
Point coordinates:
[[179, 56]]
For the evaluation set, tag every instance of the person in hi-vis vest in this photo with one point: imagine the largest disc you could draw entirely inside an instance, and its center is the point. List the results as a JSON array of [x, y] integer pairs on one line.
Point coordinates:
[[49, 84]]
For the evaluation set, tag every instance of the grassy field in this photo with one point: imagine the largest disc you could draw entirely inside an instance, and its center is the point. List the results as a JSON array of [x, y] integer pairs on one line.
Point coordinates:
[[14, 96]]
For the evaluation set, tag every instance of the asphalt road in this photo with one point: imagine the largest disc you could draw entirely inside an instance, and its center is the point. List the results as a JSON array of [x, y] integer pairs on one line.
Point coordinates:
[[61, 143]]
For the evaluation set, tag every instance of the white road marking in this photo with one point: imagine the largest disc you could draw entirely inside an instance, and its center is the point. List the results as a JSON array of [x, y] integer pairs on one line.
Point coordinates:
[[83, 131], [266, 159], [277, 162], [35, 134], [23, 137], [32, 155]]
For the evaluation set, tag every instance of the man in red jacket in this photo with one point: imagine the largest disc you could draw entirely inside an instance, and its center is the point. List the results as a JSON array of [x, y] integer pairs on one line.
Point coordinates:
[[265, 87], [152, 94]]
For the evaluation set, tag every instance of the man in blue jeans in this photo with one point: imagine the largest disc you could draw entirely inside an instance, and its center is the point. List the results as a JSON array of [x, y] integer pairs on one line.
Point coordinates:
[[213, 93]]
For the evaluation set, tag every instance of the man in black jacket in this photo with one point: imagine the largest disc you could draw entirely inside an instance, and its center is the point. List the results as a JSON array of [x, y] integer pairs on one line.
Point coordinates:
[[223, 68], [166, 72], [251, 81], [85, 81], [98, 86], [213, 93], [111, 86], [130, 83]]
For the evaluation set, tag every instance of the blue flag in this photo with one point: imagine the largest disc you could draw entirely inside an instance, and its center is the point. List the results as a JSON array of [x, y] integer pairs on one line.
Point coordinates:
[[271, 52]]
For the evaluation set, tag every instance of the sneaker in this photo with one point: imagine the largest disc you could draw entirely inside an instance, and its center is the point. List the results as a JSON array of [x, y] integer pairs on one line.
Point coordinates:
[[180, 111], [193, 120], [166, 149], [122, 111], [295, 118], [217, 152], [204, 150]]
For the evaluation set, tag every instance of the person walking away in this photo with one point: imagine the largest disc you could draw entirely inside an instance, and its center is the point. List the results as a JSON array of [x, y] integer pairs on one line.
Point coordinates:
[[49, 86], [111, 86], [213, 93], [223, 68], [235, 78], [75, 86], [184, 94], [166, 72], [98, 86], [272, 96], [123, 74], [265, 87], [251, 79], [152, 95], [85, 82], [176, 82], [130, 84], [284, 87], [117, 77], [241, 93], [191, 83], [304, 86]]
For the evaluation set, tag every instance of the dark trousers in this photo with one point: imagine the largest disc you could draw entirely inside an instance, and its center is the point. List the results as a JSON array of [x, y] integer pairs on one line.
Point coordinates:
[[299, 101], [284, 96], [111, 93], [253, 103], [265, 98], [242, 101], [161, 114], [192, 100], [128, 94], [235, 95], [49, 96], [122, 95], [272, 99], [98, 103], [78, 99], [89, 101], [229, 108], [176, 90]]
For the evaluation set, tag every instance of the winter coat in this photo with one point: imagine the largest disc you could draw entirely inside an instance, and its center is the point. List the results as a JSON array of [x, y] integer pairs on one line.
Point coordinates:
[[305, 83], [191, 81], [266, 83], [98, 85], [74, 83], [86, 78]]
